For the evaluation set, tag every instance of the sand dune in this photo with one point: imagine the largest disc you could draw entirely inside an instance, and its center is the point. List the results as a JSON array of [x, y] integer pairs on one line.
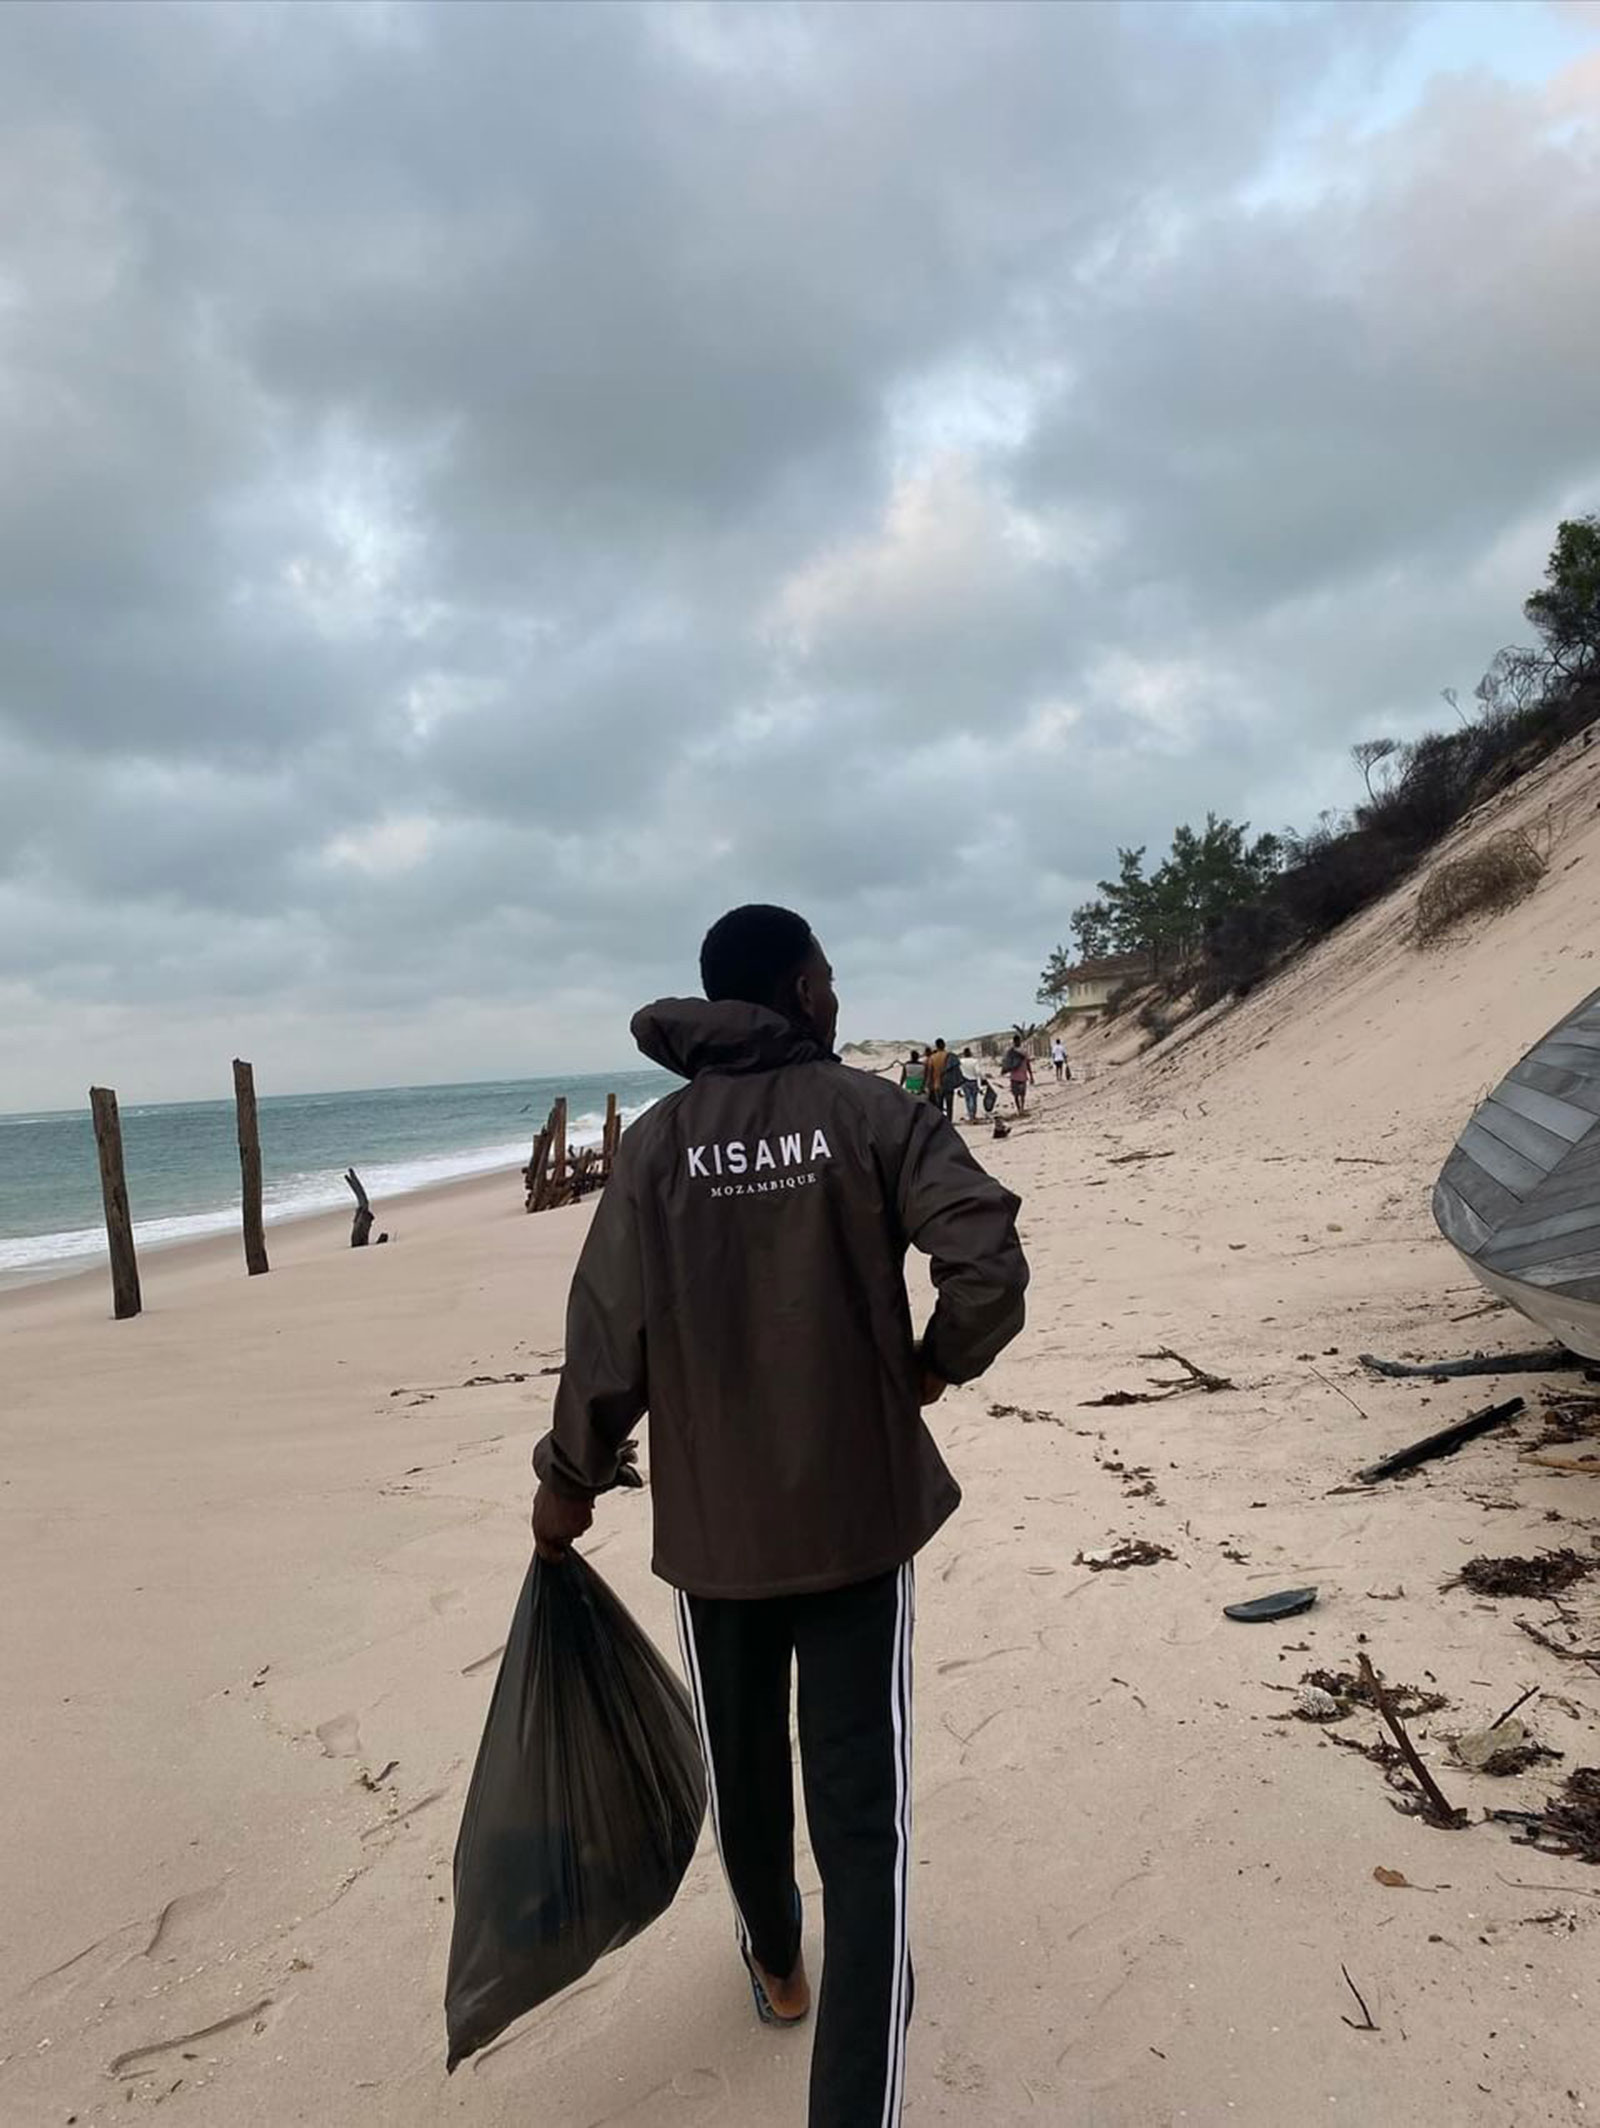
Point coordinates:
[[258, 1550]]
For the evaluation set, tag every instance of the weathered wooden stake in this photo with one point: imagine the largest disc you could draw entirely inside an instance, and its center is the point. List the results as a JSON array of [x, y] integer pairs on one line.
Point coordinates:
[[533, 1173], [361, 1223], [613, 1131], [558, 1148], [125, 1297], [255, 1240]]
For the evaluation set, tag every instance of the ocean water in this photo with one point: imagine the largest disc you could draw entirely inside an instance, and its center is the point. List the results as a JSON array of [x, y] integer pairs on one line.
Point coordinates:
[[182, 1158]]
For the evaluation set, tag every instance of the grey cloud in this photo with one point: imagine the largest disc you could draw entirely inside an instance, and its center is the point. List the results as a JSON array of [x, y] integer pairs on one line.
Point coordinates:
[[486, 487]]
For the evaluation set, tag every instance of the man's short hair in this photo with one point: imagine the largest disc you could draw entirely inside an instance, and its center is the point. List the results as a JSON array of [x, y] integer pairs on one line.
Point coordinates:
[[754, 954]]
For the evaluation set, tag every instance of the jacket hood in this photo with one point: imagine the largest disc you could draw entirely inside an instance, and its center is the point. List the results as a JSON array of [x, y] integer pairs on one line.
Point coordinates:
[[691, 1035]]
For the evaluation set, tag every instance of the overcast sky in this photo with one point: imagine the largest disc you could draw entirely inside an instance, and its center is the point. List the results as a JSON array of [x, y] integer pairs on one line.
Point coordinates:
[[483, 489]]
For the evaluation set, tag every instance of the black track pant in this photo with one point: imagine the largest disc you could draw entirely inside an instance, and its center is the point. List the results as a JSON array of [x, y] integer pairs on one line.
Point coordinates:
[[852, 1647]]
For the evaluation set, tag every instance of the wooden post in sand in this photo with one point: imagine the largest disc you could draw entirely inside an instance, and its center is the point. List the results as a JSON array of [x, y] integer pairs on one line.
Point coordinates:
[[533, 1173], [244, 1094], [608, 1143], [558, 1148], [125, 1297]]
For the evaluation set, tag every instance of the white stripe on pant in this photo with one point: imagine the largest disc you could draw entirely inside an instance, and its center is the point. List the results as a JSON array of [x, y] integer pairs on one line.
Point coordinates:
[[854, 1653]]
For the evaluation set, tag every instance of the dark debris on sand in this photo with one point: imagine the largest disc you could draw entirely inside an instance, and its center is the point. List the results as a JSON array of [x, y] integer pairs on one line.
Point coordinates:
[[1569, 1824], [1545, 1574], [1408, 1701], [1131, 1551]]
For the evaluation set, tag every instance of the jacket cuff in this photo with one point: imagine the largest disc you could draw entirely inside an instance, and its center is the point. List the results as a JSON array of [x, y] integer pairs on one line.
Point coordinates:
[[547, 1468]]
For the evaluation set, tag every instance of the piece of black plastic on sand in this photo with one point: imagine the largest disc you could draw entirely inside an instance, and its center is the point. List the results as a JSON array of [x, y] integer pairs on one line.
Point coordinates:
[[1262, 1610]]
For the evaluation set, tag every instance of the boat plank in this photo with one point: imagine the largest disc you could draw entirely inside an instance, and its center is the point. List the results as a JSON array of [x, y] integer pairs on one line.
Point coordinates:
[[1569, 1272], [1567, 1044], [1527, 1224], [1564, 1118], [1491, 1200], [1514, 1170], [1545, 1148], [1579, 1089], [1457, 1221], [1517, 1258], [1574, 1184]]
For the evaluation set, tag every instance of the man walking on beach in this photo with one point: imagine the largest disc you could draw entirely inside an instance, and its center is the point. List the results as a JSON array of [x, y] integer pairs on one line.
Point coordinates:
[[1058, 1056], [1018, 1068], [938, 1060], [969, 1085], [743, 1279], [950, 1083]]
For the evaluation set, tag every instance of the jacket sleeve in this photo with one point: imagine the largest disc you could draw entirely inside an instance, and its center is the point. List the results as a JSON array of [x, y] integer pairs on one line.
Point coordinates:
[[602, 1394], [960, 1216]]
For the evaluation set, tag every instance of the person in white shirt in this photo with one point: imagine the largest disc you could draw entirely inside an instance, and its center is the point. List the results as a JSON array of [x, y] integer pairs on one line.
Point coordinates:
[[1058, 1056]]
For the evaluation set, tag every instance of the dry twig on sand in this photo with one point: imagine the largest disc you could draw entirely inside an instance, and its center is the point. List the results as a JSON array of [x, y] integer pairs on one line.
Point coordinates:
[[1367, 2024], [1164, 1386], [1435, 1808]]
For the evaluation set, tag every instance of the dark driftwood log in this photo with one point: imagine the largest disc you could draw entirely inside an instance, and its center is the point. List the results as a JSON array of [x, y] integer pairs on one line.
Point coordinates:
[[361, 1225], [1443, 1443], [125, 1298], [255, 1239], [1548, 1359]]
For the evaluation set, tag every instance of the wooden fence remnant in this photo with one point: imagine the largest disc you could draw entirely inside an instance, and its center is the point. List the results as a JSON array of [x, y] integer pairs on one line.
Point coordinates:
[[533, 1174], [125, 1296], [556, 1176], [244, 1095], [558, 1148]]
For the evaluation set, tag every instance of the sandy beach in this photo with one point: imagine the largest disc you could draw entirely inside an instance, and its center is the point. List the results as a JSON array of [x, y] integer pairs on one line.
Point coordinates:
[[258, 1550]]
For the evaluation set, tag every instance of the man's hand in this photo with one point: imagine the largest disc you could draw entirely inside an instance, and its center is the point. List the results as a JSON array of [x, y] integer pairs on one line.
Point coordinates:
[[558, 1521], [932, 1387]]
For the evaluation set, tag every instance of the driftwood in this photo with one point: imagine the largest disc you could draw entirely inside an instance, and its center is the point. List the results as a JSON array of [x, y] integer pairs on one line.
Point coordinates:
[[361, 1224], [1443, 1443], [1588, 1656], [1549, 1359], [1128, 1159], [1436, 1809], [1164, 1386]]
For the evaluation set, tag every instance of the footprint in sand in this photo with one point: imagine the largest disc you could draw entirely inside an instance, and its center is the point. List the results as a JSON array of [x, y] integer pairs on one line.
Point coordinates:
[[169, 1934], [693, 2096], [340, 1738], [173, 1933], [447, 1601]]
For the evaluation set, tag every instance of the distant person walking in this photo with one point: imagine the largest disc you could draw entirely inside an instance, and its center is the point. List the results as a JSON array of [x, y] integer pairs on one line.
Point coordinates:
[[969, 1085], [1058, 1057], [938, 1058], [951, 1084], [914, 1074], [1018, 1068]]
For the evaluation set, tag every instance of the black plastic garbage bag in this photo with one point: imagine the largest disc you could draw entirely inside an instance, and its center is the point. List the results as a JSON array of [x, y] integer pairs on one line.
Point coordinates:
[[585, 1805]]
